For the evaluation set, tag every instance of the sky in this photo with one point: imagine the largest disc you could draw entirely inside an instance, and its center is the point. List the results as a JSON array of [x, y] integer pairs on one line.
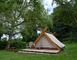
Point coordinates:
[[48, 5]]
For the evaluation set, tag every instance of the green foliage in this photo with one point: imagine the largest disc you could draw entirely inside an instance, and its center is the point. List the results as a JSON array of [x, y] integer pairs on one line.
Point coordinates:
[[65, 20], [71, 37], [36, 18], [21, 16], [18, 44], [3, 44], [61, 30], [66, 8], [29, 35]]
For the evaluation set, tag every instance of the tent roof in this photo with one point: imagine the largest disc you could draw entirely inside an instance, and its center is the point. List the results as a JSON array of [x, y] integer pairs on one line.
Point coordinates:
[[55, 40]]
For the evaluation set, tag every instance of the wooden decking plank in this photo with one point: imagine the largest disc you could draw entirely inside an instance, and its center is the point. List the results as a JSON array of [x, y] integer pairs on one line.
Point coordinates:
[[39, 51]]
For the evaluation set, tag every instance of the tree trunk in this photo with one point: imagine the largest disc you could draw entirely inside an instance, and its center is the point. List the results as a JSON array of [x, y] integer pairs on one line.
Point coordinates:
[[10, 38], [0, 36]]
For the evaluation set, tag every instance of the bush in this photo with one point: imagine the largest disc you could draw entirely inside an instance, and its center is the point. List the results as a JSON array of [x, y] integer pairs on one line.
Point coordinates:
[[71, 37], [18, 44], [3, 44]]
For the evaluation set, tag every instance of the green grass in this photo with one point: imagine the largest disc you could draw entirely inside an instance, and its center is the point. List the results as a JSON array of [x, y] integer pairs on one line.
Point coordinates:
[[70, 53]]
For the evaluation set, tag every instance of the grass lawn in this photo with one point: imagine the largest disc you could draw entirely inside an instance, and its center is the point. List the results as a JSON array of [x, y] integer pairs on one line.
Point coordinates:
[[70, 53]]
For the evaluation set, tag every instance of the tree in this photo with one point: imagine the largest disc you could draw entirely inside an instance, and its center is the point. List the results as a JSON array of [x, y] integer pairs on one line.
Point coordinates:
[[22, 16], [11, 15], [64, 17], [37, 18], [66, 7]]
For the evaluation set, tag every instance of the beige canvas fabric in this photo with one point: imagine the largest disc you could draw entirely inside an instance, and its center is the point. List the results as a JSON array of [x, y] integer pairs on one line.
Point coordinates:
[[55, 40]]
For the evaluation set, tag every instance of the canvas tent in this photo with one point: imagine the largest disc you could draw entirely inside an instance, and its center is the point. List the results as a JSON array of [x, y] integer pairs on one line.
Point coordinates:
[[47, 41]]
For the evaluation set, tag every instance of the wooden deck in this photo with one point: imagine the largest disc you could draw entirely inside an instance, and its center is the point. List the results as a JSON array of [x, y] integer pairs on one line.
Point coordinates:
[[39, 51]]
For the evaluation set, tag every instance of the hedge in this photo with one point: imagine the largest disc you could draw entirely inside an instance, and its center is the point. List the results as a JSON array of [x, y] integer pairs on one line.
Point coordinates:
[[3, 44]]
